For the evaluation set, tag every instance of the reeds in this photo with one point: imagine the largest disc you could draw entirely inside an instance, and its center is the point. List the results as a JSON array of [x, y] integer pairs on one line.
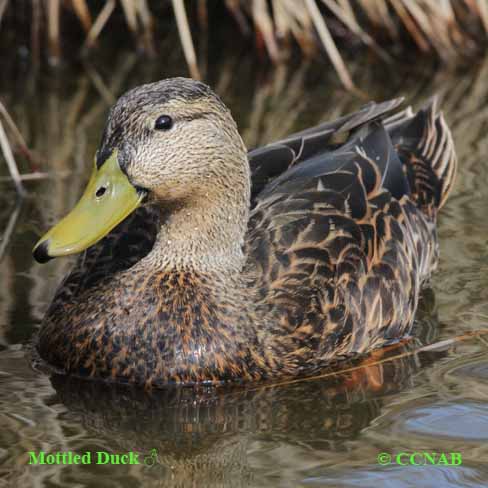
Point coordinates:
[[6, 149], [448, 29], [9, 158]]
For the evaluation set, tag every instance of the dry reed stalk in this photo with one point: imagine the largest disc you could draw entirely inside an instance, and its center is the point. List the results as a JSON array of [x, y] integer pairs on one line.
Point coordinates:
[[71, 138], [130, 12], [287, 27], [146, 20], [138, 18], [185, 37], [7, 235], [437, 26], [99, 24], [117, 80], [281, 20], [11, 164], [264, 25], [344, 12], [17, 134], [329, 44], [481, 6], [378, 13], [53, 31], [410, 25], [300, 24], [99, 84], [36, 175], [235, 9], [276, 105], [437, 37], [76, 104], [83, 13]]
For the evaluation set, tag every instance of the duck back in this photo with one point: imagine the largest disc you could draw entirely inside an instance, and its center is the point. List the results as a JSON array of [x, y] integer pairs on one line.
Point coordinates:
[[344, 235]]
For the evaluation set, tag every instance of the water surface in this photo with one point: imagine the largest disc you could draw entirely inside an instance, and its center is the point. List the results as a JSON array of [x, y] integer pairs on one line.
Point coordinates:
[[326, 432]]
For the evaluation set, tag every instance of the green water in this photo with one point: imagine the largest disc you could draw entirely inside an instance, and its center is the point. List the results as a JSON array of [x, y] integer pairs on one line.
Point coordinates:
[[327, 432]]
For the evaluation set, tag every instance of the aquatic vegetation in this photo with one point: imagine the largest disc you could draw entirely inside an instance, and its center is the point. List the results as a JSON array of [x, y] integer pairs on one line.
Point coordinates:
[[449, 30]]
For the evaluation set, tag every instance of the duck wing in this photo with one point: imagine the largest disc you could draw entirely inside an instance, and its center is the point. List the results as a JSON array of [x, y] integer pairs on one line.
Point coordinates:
[[272, 160], [338, 240]]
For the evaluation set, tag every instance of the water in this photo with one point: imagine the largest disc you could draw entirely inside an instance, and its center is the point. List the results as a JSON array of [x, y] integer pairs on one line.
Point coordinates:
[[326, 432]]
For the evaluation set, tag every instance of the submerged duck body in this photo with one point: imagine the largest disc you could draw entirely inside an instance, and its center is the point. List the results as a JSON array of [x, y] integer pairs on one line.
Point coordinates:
[[213, 264]]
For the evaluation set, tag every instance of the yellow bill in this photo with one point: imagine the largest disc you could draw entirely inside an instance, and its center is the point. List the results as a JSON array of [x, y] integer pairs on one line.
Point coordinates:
[[108, 199]]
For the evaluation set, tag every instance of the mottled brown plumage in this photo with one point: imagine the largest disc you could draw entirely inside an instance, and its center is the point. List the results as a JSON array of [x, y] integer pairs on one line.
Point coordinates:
[[244, 267]]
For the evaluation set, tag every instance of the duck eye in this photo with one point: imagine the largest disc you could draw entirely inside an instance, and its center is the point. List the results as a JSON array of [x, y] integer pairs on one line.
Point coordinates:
[[163, 122]]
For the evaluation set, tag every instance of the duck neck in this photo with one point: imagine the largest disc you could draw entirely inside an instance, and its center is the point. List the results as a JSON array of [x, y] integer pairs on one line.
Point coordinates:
[[205, 232]]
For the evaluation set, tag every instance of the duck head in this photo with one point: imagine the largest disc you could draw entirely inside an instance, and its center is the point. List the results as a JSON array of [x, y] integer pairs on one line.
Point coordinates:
[[168, 142]]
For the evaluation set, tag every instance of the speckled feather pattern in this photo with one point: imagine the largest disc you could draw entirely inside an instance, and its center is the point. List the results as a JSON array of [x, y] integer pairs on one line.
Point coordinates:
[[337, 244]]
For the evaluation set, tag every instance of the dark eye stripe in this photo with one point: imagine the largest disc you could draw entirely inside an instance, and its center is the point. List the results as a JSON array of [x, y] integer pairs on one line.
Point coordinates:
[[198, 115]]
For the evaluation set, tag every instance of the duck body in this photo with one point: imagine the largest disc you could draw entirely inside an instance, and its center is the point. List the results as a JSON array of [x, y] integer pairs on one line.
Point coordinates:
[[314, 251]]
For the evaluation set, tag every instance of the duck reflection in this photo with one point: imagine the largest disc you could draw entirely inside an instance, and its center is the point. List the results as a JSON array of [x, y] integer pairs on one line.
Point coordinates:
[[205, 433]]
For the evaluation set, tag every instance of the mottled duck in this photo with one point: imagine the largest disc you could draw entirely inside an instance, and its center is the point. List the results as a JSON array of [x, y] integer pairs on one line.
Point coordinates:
[[202, 262]]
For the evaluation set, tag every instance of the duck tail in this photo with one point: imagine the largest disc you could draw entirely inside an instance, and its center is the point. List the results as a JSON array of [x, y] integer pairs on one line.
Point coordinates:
[[426, 149]]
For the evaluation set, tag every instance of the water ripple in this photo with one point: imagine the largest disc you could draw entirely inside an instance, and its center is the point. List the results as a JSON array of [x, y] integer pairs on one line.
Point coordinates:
[[405, 477], [462, 420]]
